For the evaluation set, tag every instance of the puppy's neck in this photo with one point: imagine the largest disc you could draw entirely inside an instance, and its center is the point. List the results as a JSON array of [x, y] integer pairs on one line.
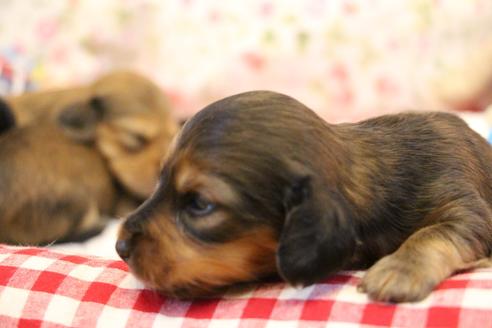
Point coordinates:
[[357, 163]]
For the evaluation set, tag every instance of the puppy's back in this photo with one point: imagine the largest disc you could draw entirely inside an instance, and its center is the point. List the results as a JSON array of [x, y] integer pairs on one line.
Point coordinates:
[[33, 106], [50, 188], [411, 158]]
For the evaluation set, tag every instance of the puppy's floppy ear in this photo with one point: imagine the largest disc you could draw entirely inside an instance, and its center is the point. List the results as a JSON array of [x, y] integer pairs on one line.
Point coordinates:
[[79, 120], [317, 237]]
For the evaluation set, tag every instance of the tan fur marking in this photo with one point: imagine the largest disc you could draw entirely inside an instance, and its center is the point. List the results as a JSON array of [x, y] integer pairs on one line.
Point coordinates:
[[168, 260], [191, 179]]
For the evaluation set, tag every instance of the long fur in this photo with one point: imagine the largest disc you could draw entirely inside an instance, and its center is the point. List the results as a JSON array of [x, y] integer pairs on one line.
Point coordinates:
[[408, 196]]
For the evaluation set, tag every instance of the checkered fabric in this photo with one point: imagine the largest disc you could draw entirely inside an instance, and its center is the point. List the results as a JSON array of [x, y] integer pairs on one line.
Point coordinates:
[[42, 288]]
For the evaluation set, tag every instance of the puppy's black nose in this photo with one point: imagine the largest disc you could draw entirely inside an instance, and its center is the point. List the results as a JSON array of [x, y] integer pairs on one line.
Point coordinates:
[[123, 248]]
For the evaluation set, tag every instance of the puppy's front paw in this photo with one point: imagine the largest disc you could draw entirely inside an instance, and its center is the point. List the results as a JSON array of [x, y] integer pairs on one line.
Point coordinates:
[[394, 279]]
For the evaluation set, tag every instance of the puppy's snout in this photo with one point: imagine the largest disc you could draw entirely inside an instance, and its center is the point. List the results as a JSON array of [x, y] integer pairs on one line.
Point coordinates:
[[131, 230], [123, 248]]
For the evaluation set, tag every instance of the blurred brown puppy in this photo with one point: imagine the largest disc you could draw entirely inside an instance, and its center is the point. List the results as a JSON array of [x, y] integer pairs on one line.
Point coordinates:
[[51, 189], [257, 184], [78, 156], [125, 115]]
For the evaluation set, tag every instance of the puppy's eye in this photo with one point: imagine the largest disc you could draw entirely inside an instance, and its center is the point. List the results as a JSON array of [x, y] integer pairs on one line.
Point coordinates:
[[133, 141], [198, 205]]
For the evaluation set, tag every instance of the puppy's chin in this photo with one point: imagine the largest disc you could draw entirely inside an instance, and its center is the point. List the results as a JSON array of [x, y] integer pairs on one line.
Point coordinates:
[[207, 284], [203, 292], [198, 289], [189, 291]]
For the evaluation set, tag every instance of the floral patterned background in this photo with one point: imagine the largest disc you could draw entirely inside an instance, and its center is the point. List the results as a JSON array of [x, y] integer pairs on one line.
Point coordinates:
[[346, 59]]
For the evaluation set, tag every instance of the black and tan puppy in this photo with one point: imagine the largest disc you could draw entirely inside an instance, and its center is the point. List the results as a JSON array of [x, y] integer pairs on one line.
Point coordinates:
[[257, 184], [51, 189]]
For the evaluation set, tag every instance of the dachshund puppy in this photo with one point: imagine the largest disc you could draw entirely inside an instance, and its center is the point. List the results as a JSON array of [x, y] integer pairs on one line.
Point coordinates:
[[123, 114], [133, 128], [257, 185], [51, 189]]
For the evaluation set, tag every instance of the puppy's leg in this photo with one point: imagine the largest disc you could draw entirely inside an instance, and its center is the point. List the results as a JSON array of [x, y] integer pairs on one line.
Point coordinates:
[[430, 255]]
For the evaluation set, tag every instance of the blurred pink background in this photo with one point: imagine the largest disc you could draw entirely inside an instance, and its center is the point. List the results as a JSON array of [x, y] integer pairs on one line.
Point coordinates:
[[345, 59]]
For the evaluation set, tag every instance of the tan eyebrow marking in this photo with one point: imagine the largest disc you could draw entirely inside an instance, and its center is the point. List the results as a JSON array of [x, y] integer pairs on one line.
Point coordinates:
[[190, 178]]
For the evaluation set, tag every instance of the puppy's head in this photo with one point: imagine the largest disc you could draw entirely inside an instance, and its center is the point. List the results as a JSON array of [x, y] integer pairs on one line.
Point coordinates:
[[127, 116], [248, 190]]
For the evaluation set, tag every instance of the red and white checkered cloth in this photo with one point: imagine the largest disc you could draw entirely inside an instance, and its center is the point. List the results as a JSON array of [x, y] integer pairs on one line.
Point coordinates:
[[42, 288]]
